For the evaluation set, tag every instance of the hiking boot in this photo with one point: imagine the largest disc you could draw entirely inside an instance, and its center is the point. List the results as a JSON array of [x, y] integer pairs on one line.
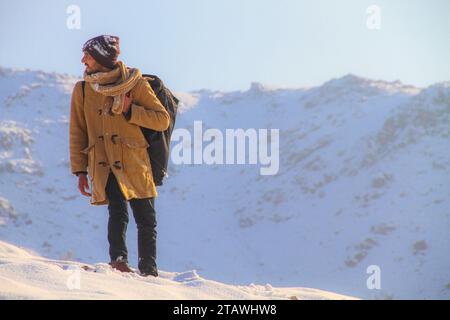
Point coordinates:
[[121, 265], [147, 273], [147, 268]]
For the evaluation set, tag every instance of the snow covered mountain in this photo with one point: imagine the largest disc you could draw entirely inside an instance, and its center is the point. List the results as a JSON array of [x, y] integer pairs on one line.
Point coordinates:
[[363, 180], [27, 276]]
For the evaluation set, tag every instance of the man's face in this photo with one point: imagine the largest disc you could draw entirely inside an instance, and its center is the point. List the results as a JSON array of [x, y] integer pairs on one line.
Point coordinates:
[[91, 65]]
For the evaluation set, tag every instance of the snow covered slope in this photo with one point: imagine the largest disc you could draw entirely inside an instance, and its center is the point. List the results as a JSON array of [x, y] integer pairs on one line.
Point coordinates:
[[363, 180], [27, 276]]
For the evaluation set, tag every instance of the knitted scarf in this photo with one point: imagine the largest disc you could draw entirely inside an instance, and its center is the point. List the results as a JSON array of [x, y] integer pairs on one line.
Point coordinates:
[[115, 83]]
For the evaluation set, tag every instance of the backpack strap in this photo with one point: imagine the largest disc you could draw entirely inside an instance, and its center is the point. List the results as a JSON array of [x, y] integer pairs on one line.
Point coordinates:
[[83, 84]]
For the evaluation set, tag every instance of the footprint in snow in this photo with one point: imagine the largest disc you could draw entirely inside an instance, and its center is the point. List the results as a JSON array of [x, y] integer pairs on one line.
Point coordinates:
[[187, 276]]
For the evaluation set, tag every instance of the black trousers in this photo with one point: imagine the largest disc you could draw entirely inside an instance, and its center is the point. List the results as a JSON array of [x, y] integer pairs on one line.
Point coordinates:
[[145, 216]]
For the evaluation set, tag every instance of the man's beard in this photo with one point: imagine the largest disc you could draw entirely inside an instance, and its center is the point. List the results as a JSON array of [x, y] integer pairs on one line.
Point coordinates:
[[91, 70]]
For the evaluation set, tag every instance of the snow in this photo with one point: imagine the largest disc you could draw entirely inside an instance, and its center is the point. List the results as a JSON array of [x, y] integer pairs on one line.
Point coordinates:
[[27, 276], [363, 180], [98, 47]]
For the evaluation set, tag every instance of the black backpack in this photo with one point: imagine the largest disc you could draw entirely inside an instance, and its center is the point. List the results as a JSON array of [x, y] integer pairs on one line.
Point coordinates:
[[159, 141]]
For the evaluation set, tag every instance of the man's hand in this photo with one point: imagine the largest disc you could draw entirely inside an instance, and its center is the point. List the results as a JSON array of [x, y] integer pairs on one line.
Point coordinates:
[[127, 102], [83, 184]]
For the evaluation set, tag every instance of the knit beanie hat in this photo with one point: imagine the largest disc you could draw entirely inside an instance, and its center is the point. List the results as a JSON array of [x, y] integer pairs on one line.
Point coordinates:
[[104, 49]]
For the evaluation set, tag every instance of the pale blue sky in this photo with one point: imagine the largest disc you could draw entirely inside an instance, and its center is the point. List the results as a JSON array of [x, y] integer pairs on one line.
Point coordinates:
[[195, 44]]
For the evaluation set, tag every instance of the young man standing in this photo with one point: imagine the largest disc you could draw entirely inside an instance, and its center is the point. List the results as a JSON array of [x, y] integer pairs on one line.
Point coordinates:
[[108, 147]]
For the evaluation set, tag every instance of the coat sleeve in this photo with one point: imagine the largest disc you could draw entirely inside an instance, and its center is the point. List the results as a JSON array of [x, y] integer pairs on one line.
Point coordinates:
[[146, 110], [78, 136]]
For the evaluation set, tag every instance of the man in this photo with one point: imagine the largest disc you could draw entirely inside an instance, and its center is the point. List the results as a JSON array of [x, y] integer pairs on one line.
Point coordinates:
[[108, 147]]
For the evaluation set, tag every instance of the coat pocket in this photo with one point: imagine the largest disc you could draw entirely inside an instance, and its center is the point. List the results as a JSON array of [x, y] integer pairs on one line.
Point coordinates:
[[135, 155], [89, 151]]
